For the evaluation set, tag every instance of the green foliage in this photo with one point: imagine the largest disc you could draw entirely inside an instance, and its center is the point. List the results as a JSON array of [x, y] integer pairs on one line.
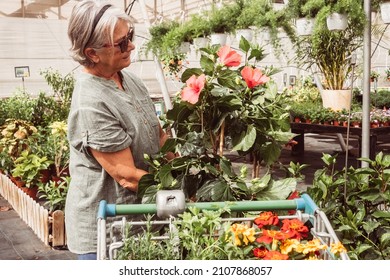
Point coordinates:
[[28, 167], [380, 99], [357, 202], [254, 119], [329, 50], [54, 193], [199, 235], [223, 20]]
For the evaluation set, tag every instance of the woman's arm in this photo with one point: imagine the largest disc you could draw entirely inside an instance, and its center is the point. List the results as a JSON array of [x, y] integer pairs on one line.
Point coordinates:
[[120, 165]]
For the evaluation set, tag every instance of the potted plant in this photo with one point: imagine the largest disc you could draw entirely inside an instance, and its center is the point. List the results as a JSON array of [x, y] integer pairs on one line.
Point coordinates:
[[245, 20], [222, 21], [199, 30], [374, 75], [387, 71], [329, 51], [219, 100], [304, 13], [273, 21], [157, 33], [28, 167]]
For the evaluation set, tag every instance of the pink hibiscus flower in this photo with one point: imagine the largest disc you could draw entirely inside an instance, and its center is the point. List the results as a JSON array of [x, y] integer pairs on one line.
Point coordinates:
[[253, 77], [228, 56], [192, 91]]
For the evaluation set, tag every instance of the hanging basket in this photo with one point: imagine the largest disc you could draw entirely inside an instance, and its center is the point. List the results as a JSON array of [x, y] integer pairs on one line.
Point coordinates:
[[305, 26], [337, 22], [385, 12], [218, 39], [246, 33]]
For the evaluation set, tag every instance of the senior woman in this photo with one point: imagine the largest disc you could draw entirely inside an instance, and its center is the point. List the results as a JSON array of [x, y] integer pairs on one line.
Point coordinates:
[[111, 125]]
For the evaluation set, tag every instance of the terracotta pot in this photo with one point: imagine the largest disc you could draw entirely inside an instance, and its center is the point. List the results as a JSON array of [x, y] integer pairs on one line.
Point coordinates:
[[45, 176]]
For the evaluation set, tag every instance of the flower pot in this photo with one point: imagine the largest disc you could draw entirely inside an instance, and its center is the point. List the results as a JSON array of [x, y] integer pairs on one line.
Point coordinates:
[[385, 12], [305, 26], [336, 21], [336, 99], [246, 33], [201, 42], [218, 39], [185, 47]]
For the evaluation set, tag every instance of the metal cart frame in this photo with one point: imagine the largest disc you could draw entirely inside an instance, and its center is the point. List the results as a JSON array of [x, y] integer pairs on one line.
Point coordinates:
[[305, 208]]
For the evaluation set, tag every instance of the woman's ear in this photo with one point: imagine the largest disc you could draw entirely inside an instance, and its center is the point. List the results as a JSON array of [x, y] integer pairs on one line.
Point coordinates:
[[92, 55]]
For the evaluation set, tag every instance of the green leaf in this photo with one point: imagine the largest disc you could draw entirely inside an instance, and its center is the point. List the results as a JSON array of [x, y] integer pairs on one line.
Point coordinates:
[[145, 182], [189, 72], [244, 45], [279, 189], [362, 247], [246, 140], [165, 176], [385, 239], [370, 226], [207, 64], [169, 145], [215, 190], [227, 78], [381, 214]]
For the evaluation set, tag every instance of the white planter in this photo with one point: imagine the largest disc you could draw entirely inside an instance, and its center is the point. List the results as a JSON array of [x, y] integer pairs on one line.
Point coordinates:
[[385, 12], [201, 42], [246, 33], [336, 99], [305, 26], [218, 39], [185, 47], [337, 21]]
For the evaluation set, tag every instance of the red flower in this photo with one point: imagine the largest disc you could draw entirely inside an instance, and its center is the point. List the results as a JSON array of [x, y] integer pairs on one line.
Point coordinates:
[[266, 218], [229, 57], [192, 91], [294, 228], [253, 77], [260, 252], [275, 255], [293, 195]]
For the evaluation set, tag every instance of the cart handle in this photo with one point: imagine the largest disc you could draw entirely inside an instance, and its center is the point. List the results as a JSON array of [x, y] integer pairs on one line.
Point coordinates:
[[303, 203]]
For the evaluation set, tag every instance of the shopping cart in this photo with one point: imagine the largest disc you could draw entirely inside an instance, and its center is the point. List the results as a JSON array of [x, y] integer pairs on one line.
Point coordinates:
[[171, 203]]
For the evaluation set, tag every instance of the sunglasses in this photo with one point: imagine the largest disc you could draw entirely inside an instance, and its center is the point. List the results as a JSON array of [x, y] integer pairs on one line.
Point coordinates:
[[124, 43]]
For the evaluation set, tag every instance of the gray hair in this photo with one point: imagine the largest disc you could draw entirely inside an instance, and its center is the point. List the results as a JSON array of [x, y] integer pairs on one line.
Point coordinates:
[[82, 34]]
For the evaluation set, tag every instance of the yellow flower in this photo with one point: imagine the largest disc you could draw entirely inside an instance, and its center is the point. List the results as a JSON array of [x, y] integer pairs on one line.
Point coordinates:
[[312, 258], [242, 234], [310, 247], [288, 245], [337, 248]]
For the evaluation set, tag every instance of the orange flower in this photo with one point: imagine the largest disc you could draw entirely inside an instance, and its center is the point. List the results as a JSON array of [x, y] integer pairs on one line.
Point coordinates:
[[229, 57], [260, 252], [269, 235], [275, 255], [266, 218], [192, 91], [253, 77], [294, 228]]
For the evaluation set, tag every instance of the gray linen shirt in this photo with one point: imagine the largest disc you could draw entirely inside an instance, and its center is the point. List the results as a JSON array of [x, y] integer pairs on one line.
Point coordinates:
[[107, 119]]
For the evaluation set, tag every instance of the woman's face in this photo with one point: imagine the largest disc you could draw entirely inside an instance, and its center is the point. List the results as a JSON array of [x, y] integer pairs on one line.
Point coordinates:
[[112, 59]]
